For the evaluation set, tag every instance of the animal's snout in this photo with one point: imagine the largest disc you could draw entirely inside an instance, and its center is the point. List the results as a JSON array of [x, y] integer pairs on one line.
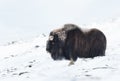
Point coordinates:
[[47, 46]]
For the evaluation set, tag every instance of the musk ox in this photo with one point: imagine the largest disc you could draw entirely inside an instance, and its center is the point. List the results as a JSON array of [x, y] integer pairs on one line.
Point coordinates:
[[70, 42]]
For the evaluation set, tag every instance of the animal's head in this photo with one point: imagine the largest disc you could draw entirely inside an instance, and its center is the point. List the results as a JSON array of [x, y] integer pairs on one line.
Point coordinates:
[[56, 42], [55, 45]]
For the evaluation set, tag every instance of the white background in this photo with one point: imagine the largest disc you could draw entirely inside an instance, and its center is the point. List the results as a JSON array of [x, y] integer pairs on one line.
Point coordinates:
[[26, 18]]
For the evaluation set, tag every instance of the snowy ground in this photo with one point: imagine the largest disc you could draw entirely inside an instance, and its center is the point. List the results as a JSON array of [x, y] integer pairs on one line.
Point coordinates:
[[28, 60]]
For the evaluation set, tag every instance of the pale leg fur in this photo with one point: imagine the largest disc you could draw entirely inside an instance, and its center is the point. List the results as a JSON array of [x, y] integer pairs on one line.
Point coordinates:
[[71, 62]]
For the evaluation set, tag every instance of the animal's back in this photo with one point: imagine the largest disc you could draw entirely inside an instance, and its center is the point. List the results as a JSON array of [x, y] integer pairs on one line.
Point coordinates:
[[97, 41]]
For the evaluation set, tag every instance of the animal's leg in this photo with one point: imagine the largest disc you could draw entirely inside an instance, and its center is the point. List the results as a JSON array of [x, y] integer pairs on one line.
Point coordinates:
[[71, 62]]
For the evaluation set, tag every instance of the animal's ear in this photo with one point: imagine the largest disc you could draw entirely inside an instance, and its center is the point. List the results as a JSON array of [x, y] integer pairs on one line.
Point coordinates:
[[51, 38]]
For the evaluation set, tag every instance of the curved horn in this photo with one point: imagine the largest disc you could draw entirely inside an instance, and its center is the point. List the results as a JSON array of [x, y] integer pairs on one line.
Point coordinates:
[[51, 38]]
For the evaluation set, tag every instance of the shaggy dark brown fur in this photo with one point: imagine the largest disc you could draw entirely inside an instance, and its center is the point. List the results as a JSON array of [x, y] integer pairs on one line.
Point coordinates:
[[71, 42]]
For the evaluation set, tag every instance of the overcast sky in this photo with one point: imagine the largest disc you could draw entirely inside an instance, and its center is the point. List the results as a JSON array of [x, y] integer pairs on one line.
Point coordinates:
[[31, 17]]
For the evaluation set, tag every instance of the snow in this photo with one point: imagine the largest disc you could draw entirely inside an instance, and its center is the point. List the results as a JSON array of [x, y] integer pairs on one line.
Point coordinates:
[[29, 61]]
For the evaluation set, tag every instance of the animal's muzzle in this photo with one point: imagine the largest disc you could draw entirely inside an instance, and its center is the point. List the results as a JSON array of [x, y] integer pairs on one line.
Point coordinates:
[[48, 46]]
